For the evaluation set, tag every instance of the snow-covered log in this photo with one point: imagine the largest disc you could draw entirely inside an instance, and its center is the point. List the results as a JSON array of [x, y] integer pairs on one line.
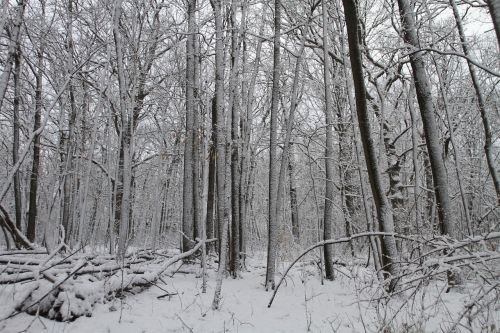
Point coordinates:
[[65, 288]]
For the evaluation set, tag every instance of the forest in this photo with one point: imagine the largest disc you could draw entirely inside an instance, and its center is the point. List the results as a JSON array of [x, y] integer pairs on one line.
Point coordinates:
[[250, 166]]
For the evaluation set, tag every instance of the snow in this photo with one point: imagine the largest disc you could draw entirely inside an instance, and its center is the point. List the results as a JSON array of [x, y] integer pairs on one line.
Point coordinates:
[[351, 303]]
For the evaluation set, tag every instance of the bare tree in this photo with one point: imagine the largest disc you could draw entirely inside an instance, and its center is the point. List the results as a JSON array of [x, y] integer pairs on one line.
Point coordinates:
[[382, 205], [222, 212], [424, 98], [494, 7], [16, 137], [35, 166], [329, 163], [125, 133], [488, 137], [15, 36], [188, 187], [272, 245]]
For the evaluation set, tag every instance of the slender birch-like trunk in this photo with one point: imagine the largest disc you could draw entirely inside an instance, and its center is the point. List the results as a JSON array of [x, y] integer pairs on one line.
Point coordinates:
[[35, 166], [187, 202], [16, 137], [222, 202], [329, 162], [272, 244], [68, 164]]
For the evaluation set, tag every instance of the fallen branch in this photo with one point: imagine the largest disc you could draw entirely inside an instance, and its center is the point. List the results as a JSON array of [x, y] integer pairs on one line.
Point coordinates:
[[64, 288], [19, 239], [439, 245], [326, 242]]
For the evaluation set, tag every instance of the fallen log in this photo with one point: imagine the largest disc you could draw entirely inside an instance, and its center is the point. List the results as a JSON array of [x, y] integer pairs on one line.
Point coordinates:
[[63, 289]]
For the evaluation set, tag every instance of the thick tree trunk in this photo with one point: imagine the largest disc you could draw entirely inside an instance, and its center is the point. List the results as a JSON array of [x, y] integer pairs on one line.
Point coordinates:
[[424, 97], [384, 214], [494, 6]]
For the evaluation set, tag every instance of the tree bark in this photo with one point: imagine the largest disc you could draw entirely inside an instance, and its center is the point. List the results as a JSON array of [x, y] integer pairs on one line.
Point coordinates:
[[329, 163], [15, 36], [416, 169], [488, 141], [222, 216], [125, 136], [68, 164], [210, 227], [494, 7], [234, 103], [35, 167], [187, 201], [384, 214], [424, 97], [272, 245], [294, 209], [16, 139]]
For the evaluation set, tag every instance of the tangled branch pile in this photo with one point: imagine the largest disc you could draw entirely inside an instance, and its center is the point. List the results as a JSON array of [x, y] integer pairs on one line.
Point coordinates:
[[65, 287]]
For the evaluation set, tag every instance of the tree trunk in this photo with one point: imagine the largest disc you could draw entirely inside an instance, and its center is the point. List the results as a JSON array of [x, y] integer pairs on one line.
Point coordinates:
[[15, 36], [384, 214], [222, 216], [125, 136], [329, 162], [247, 154], [187, 202], [488, 141], [210, 228], [68, 164], [35, 167], [494, 6], [416, 169], [15, 148], [234, 103], [294, 209], [424, 97], [396, 196], [272, 245]]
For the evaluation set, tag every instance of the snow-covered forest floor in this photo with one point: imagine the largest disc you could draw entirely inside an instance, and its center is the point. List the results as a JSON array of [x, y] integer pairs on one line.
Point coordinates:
[[351, 303]]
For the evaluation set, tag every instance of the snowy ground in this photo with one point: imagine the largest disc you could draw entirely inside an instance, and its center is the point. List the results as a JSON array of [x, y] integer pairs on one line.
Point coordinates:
[[302, 305]]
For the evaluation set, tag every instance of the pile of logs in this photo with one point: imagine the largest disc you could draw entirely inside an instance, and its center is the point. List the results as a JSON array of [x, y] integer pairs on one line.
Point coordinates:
[[65, 285]]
